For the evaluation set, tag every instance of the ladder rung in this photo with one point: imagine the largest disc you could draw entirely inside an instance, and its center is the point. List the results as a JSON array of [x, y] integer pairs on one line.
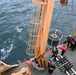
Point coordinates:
[[33, 22]]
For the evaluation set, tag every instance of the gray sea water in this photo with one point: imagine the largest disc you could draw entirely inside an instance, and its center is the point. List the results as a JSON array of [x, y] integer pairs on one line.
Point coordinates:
[[14, 26]]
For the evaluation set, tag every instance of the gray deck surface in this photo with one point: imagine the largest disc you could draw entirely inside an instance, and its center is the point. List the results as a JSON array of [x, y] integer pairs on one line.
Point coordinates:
[[71, 55]]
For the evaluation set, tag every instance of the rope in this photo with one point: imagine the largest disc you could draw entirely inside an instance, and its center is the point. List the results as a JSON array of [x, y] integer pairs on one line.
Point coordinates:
[[57, 16], [72, 8], [72, 11], [70, 22]]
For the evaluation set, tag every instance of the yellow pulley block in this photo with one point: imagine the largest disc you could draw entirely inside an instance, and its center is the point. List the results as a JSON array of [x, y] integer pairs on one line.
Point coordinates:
[[63, 2]]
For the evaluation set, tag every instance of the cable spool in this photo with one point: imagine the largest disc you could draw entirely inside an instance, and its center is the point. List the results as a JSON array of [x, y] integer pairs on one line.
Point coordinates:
[[64, 2]]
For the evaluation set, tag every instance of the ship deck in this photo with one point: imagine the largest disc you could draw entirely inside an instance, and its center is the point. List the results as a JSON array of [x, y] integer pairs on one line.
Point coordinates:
[[71, 55]]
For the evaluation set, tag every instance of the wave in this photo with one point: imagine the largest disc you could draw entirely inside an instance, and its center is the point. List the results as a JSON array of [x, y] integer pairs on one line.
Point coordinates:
[[4, 57], [6, 52], [18, 29]]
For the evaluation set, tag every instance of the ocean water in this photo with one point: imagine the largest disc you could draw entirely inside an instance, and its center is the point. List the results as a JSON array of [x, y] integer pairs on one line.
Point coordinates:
[[14, 26]]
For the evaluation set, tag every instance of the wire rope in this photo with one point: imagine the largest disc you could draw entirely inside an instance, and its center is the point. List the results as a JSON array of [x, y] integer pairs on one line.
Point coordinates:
[[57, 16], [70, 16], [74, 32], [70, 21]]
